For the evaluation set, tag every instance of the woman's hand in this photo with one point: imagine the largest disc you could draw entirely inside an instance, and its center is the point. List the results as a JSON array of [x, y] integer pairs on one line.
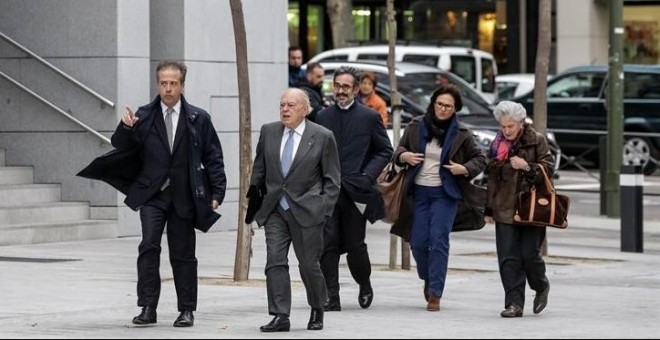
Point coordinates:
[[456, 169], [489, 220], [411, 157], [518, 163]]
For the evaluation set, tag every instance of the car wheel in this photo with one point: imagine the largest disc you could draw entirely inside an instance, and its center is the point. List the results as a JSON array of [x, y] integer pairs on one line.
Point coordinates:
[[639, 151]]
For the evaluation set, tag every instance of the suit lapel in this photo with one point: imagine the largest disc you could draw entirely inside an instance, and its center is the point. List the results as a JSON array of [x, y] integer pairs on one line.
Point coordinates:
[[273, 144], [160, 127], [306, 143], [179, 130]]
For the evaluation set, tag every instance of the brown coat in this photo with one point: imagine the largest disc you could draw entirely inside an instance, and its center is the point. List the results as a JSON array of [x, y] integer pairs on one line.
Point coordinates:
[[505, 182], [464, 150]]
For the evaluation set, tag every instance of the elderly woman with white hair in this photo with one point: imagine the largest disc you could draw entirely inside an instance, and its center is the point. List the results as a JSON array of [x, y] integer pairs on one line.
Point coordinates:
[[515, 157]]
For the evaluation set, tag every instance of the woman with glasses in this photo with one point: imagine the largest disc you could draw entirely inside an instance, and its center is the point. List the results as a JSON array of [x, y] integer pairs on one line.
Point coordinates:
[[516, 154], [442, 156]]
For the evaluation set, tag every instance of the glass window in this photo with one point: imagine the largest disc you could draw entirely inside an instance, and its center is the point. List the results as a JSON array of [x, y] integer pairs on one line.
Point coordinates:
[[315, 33], [641, 86], [422, 59], [339, 57], [488, 76], [293, 19], [578, 85], [464, 67], [371, 56]]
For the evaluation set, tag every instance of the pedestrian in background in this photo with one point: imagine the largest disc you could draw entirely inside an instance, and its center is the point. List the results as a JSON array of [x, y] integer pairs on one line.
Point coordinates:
[[516, 154], [440, 154], [296, 73], [297, 163], [364, 150], [312, 85], [180, 152], [370, 98]]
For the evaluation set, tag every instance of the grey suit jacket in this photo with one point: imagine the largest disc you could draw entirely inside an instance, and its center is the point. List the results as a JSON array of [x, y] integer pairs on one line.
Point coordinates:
[[312, 184]]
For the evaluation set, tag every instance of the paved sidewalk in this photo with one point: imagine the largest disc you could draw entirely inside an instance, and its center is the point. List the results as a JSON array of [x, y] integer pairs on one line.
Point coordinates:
[[87, 290]]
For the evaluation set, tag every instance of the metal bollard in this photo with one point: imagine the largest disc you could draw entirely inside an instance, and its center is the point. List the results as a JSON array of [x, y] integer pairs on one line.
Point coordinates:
[[632, 212]]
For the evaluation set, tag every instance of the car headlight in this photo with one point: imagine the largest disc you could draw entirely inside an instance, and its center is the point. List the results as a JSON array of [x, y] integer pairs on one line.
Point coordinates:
[[484, 137]]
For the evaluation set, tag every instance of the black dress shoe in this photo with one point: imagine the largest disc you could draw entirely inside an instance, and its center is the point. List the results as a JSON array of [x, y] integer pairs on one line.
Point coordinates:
[[512, 311], [315, 320], [280, 323], [541, 300], [333, 305], [185, 319], [366, 295], [146, 317]]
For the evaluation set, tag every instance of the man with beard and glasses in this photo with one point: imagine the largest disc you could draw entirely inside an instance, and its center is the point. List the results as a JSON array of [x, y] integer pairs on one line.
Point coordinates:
[[364, 150]]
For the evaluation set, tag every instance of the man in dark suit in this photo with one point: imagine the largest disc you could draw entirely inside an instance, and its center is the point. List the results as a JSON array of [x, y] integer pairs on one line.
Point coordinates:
[[364, 150], [297, 164], [181, 183]]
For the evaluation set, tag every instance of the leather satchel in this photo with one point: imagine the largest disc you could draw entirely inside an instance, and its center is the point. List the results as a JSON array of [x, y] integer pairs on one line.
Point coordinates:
[[542, 208], [390, 183]]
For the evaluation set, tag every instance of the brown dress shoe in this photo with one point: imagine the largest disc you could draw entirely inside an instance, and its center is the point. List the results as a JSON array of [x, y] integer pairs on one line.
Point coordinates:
[[434, 303]]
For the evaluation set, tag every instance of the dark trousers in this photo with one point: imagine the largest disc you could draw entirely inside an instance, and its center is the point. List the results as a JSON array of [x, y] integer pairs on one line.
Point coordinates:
[[519, 257], [281, 231], [344, 233], [181, 242], [429, 238]]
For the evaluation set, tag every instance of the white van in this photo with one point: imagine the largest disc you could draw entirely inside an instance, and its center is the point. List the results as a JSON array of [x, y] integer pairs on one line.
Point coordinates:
[[475, 66]]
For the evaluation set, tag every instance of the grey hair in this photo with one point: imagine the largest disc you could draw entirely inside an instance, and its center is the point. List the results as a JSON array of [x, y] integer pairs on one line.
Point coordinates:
[[304, 97], [348, 70], [511, 109]]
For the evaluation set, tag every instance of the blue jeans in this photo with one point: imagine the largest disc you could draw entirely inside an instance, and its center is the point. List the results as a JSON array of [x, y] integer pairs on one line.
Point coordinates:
[[433, 218]]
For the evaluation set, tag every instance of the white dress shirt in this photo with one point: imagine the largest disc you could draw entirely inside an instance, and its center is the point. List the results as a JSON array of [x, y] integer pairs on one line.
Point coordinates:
[[175, 117]]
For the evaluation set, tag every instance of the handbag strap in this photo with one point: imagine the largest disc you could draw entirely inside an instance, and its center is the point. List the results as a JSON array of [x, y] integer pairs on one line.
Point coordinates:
[[532, 205], [548, 182]]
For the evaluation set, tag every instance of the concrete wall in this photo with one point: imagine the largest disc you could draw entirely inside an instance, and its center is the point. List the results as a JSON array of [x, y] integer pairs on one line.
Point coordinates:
[[112, 46], [582, 33]]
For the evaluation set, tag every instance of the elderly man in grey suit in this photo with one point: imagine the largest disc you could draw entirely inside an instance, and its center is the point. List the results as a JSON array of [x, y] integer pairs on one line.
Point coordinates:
[[298, 166]]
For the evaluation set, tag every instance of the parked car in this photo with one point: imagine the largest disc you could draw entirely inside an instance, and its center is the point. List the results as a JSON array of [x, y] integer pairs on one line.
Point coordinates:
[[514, 85], [477, 67], [416, 83], [577, 112]]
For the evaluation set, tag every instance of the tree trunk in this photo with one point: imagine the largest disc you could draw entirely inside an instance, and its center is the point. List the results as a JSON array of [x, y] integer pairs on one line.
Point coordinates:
[[341, 21], [541, 78], [244, 239]]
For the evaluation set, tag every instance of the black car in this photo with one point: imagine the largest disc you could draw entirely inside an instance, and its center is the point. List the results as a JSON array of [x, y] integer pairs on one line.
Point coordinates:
[[577, 112]]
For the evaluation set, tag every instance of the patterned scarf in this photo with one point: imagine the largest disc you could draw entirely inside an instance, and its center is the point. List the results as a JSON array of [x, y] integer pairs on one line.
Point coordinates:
[[501, 147]]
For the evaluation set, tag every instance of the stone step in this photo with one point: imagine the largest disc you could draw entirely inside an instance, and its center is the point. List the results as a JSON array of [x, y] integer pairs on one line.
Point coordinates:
[[2, 157], [44, 212], [57, 232], [20, 194], [16, 175]]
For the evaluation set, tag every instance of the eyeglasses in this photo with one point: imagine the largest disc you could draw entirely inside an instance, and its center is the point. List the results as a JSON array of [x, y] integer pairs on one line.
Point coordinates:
[[343, 87], [444, 106]]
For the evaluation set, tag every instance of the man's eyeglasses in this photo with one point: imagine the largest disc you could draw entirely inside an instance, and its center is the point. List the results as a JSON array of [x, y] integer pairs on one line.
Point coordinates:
[[444, 106], [343, 87]]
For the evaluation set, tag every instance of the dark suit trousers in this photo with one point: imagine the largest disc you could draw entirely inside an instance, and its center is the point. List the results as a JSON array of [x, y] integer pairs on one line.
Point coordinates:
[[519, 257], [345, 233], [281, 230], [158, 212]]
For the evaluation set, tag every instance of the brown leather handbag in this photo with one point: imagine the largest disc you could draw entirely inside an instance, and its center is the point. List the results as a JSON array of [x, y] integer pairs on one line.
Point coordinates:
[[542, 208], [390, 183]]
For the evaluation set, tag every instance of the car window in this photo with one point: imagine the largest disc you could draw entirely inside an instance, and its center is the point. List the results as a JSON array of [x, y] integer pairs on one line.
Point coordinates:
[[506, 90], [576, 85], [488, 75], [339, 57], [371, 56], [641, 86], [422, 59], [464, 67]]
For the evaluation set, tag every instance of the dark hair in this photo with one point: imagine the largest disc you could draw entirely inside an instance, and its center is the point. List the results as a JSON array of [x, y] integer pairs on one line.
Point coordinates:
[[371, 76], [348, 70], [449, 89], [312, 66], [172, 64], [295, 48]]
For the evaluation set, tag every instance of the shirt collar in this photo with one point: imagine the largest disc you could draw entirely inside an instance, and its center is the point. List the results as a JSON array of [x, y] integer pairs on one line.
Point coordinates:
[[299, 129], [176, 107], [347, 106]]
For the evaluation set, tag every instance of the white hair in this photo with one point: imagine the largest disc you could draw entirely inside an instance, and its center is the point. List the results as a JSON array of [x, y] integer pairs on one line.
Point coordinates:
[[511, 109]]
